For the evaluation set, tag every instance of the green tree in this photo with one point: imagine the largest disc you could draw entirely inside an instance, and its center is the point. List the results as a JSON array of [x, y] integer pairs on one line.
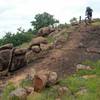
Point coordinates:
[[43, 20]]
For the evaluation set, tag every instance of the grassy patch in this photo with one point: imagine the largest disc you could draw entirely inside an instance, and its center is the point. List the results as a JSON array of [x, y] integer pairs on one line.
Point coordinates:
[[25, 83], [8, 89]]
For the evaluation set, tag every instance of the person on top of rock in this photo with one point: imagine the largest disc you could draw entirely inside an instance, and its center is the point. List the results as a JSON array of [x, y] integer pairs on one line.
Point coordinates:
[[88, 13]]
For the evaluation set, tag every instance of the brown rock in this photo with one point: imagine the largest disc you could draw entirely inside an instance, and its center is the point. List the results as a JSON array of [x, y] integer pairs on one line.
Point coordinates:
[[36, 49], [7, 46], [39, 82], [20, 51], [45, 31], [52, 77]]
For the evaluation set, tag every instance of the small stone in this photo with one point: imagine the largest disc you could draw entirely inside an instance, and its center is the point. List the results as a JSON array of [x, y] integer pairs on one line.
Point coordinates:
[[82, 67], [19, 93], [81, 92], [63, 90]]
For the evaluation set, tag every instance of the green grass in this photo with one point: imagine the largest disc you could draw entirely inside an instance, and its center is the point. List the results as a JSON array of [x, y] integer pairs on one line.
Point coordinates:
[[96, 23], [26, 83], [75, 83], [8, 89]]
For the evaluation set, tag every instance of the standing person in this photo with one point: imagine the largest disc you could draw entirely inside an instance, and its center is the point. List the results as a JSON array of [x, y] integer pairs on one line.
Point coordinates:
[[88, 13]]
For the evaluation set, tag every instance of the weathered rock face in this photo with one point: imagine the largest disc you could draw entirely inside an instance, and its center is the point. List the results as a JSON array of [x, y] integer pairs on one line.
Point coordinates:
[[18, 61], [45, 31], [11, 58], [5, 56]]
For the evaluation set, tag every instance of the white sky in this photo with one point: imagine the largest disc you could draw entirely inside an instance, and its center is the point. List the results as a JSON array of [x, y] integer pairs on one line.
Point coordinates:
[[19, 13]]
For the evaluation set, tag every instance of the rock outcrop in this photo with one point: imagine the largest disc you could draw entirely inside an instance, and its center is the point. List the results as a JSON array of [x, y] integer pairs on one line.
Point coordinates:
[[45, 31]]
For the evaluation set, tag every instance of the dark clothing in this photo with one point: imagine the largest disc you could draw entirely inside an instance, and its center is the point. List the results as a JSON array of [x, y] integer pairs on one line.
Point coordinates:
[[89, 12]]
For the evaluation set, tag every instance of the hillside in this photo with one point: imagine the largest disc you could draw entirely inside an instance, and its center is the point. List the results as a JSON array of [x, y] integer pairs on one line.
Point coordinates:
[[73, 51], [72, 46]]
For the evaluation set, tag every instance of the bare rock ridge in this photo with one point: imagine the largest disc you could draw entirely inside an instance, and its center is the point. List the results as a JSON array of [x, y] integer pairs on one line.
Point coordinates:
[[66, 52]]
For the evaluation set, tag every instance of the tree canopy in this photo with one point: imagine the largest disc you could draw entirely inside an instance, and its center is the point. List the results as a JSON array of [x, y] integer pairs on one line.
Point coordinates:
[[43, 20]]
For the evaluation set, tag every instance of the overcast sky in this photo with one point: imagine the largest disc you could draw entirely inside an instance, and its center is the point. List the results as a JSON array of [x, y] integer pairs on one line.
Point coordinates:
[[19, 13]]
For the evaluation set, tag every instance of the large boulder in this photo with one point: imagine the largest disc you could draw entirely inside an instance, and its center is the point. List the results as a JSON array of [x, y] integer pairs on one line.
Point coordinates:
[[18, 61], [37, 41], [11, 58], [5, 59], [45, 31], [40, 82], [44, 78], [6, 46]]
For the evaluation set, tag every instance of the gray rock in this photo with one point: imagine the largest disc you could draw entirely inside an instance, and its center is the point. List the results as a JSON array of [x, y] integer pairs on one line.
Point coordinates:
[[19, 93]]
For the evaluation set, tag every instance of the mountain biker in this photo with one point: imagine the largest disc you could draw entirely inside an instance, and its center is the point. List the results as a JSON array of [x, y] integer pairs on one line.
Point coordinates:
[[88, 13]]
